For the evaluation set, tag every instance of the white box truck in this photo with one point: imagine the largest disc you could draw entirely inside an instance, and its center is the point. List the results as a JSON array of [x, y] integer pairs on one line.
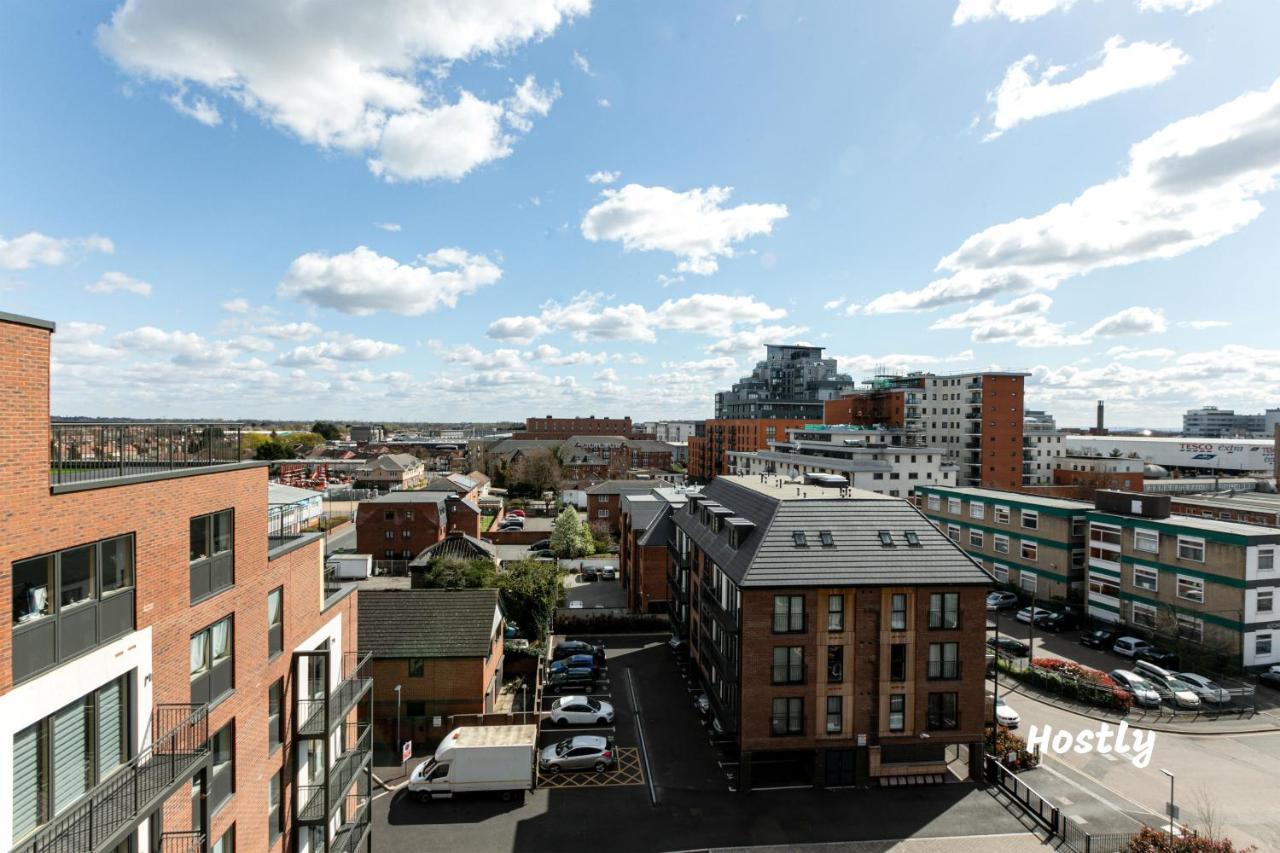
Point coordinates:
[[478, 758], [350, 566]]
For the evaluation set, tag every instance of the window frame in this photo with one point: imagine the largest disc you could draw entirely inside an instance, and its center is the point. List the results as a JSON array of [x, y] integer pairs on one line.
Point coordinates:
[[835, 614], [791, 717], [1025, 515], [977, 510], [935, 717], [981, 536], [275, 721], [789, 614], [1000, 514], [1192, 583], [1153, 575], [1192, 542], [275, 630], [791, 670], [214, 571], [837, 715], [942, 667], [941, 606], [203, 681], [1029, 550], [899, 699], [1139, 533]]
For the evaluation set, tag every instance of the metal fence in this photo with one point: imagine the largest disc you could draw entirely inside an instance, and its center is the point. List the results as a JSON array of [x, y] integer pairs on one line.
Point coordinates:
[[84, 452]]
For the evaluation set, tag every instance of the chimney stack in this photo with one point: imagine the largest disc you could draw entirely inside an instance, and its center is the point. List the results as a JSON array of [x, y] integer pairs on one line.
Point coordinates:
[[1101, 424]]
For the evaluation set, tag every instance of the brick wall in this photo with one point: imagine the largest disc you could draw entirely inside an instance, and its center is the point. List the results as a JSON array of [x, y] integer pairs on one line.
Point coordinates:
[[372, 525], [1002, 418]]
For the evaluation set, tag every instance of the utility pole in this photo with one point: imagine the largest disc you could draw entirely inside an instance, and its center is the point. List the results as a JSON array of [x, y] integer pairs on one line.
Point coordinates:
[[1031, 638], [1173, 810], [398, 742]]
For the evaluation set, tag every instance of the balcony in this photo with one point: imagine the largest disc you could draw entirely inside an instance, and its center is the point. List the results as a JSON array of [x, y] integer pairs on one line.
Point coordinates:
[[108, 813], [974, 413], [357, 680], [182, 842], [315, 799], [87, 455], [351, 835]]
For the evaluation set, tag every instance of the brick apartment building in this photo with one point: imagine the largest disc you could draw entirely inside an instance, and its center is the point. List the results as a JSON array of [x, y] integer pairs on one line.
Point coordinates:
[[604, 501], [444, 649], [833, 631], [173, 675], [709, 450], [643, 547], [560, 429], [400, 525]]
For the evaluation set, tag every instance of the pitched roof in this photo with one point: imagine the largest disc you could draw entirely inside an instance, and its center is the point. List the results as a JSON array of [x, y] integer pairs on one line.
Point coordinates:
[[395, 462], [408, 496], [622, 487], [642, 509], [278, 493], [452, 483], [771, 553], [427, 623], [457, 544]]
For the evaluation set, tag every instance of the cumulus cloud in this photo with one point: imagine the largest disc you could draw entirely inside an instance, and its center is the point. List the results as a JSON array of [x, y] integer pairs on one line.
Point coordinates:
[[362, 281], [236, 306], [387, 226], [1021, 11], [988, 312], [603, 177], [1204, 324], [695, 225], [113, 282], [1024, 94], [1190, 7], [552, 355], [1130, 354], [36, 249], [517, 329], [339, 348], [580, 62], [898, 362], [367, 77], [1187, 186], [1138, 320], [296, 331], [754, 339]]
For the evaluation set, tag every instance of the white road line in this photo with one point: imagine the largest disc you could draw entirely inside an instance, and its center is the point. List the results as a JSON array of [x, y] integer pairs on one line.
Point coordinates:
[[1073, 783], [644, 752]]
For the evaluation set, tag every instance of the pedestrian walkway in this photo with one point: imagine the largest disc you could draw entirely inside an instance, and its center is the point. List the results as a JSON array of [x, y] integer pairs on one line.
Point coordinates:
[[1015, 843]]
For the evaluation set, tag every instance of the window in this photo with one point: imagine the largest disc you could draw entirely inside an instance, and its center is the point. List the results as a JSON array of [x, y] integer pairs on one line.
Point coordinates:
[[1142, 614], [1266, 560], [977, 510], [415, 709], [1192, 589], [1079, 524], [1030, 550], [1191, 549], [788, 614], [1000, 543], [943, 711], [388, 515], [798, 537], [1262, 645], [416, 667], [944, 660], [913, 539], [275, 814], [835, 714], [388, 534], [1146, 540], [1027, 581], [788, 664], [886, 538], [1001, 514], [1190, 628], [212, 663], [1103, 585], [211, 553], [227, 843], [835, 612], [222, 772], [944, 610], [933, 502], [788, 716], [835, 664], [898, 611], [976, 539], [897, 712], [1030, 519], [275, 622], [1266, 600], [1144, 578], [953, 532], [898, 662], [953, 506], [275, 715], [405, 534]]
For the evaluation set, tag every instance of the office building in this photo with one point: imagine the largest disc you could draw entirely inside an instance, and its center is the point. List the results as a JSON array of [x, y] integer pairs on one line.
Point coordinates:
[[792, 382]]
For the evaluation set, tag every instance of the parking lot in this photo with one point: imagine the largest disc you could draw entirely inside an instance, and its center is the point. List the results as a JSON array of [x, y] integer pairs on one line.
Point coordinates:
[[672, 790]]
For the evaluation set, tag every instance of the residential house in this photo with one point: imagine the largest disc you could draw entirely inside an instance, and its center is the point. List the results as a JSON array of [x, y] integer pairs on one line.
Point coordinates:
[[391, 471]]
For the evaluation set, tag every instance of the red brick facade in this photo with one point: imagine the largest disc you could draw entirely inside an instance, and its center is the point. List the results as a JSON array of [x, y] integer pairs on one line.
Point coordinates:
[[1002, 416], [391, 530], [709, 453], [563, 428]]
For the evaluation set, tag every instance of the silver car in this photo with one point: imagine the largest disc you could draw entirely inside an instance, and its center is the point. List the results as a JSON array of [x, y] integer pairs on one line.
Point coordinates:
[[1143, 693], [1206, 689], [584, 752]]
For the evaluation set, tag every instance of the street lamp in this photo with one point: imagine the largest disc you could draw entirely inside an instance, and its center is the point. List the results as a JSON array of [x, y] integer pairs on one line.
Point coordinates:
[[398, 746], [1172, 809]]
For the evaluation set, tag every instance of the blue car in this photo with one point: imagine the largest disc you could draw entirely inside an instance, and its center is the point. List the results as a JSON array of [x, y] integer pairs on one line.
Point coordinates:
[[574, 662]]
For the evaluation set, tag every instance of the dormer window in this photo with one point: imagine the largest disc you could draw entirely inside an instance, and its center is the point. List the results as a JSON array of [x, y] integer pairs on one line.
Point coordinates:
[[886, 538], [913, 539], [827, 540], [735, 537], [800, 539]]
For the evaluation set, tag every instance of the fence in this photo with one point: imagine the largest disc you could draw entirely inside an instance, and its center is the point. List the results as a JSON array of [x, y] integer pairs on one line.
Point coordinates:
[[81, 452]]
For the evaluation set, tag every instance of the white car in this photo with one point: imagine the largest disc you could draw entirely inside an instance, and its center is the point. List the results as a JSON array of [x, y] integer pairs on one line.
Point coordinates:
[[576, 604], [1005, 715], [581, 710], [1027, 614], [1001, 600], [1207, 690]]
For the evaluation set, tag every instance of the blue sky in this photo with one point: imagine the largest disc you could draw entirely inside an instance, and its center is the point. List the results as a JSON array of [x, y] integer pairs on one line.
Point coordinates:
[[402, 211]]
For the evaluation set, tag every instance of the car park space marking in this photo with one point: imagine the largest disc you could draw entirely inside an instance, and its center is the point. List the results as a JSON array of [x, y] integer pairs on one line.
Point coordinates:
[[626, 771], [644, 752]]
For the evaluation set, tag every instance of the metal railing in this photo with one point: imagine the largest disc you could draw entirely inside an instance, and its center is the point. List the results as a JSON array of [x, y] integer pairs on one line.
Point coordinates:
[[125, 799], [353, 832], [87, 452], [341, 774], [182, 842], [356, 678], [944, 670], [285, 522]]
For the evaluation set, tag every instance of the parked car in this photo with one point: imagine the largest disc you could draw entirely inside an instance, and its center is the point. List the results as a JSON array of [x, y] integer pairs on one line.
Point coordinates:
[[1030, 614], [518, 513], [540, 545], [578, 647], [1159, 656], [576, 604], [1143, 692], [1001, 600], [1099, 639], [1205, 688], [609, 573], [589, 573], [1009, 646], [1270, 677], [584, 752], [703, 703], [544, 554], [678, 644], [1171, 688], [577, 678], [512, 523], [1055, 621], [580, 710], [1005, 715], [1129, 647], [573, 661], [510, 631]]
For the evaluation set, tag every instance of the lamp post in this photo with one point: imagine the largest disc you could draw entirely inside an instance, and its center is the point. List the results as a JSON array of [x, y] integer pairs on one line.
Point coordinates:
[[1031, 637], [1172, 808], [398, 746]]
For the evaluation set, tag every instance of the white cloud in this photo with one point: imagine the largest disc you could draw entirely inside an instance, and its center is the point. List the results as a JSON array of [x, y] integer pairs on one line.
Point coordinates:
[[112, 282], [898, 361], [604, 176], [603, 103], [552, 355], [833, 304], [187, 348], [580, 62], [1018, 11], [695, 225], [75, 343], [517, 329], [606, 375], [987, 312], [362, 281], [236, 306], [1138, 320], [387, 226], [1129, 354], [366, 77], [1024, 95], [754, 339], [1204, 324], [340, 348], [296, 331], [1190, 7], [1187, 186], [34, 248]]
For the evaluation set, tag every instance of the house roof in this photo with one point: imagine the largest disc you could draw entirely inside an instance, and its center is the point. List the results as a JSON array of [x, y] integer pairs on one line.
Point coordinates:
[[642, 509], [457, 544], [456, 483], [278, 493], [408, 497], [395, 462], [773, 554], [622, 487], [427, 623]]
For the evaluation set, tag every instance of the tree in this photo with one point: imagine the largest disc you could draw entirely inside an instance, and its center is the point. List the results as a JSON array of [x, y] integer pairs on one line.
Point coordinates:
[[1152, 840], [272, 450], [329, 431], [601, 536], [530, 590], [303, 440], [457, 573], [567, 534], [534, 474]]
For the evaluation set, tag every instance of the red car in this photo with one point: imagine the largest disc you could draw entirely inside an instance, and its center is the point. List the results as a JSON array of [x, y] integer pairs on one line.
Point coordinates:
[[519, 513]]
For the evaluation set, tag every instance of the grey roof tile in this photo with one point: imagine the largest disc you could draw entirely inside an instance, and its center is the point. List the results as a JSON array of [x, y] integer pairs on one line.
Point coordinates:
[[427, 623]]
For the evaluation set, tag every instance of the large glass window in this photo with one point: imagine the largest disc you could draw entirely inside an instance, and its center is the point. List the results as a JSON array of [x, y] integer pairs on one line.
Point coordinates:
[[788, 614], [788, 716], [944, 660], [79, 570], [943, 711], [835, 612], [897, 712], [788, 664], [944, 610], [835, 664], [212, 539], [898, 611], [1030, 519], [1146, 540], [275, 814], [835, 714], [275, 621], [275, 715], [1144, 578], [898, 662], [212, 663], [1190, 588], [31, 582], [222, 767], [1191, 549]]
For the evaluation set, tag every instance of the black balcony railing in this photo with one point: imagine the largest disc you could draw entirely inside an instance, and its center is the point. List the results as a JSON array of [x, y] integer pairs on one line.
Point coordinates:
[[82, 453], [341, 774], [351, 835], [788, 673], [356, 679], [182, 842], [117, 805], [944, 670]]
